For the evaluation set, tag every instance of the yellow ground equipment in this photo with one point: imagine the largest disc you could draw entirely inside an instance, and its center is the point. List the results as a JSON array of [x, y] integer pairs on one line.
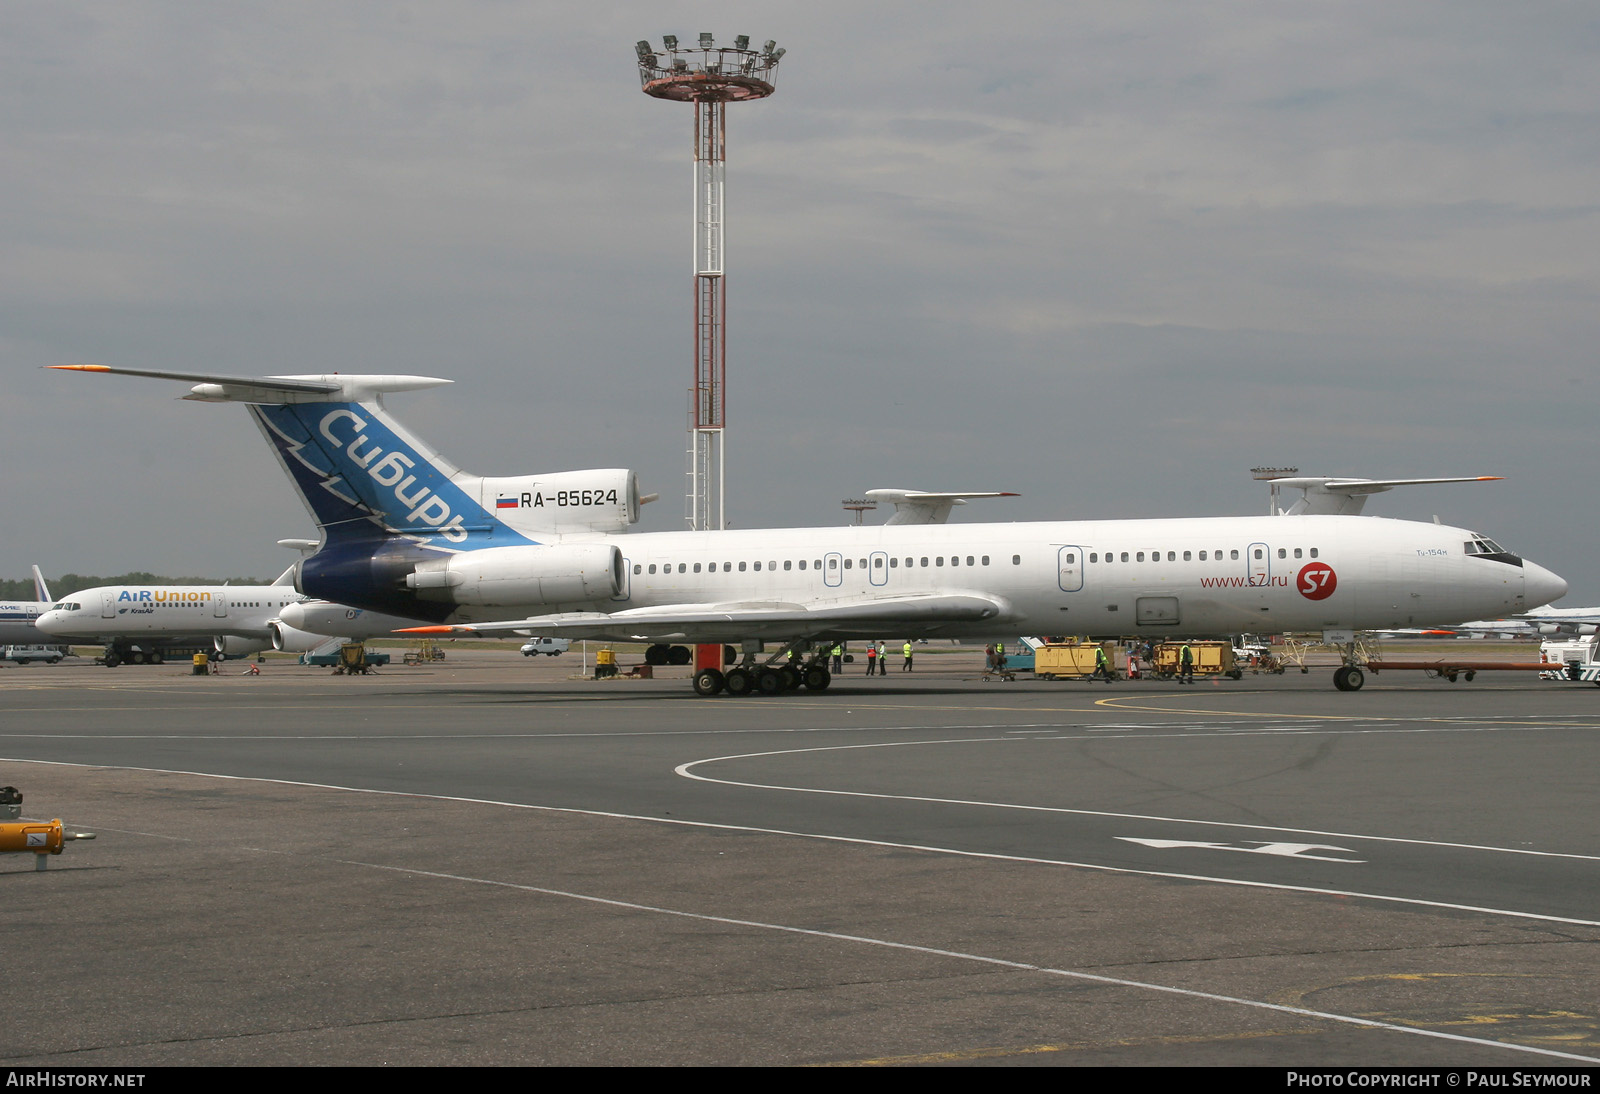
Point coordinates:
[[1068, 660], [40, 838], [1210, 659]]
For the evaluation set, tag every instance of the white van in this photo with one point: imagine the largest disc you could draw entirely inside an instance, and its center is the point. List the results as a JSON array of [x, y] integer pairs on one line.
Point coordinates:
[[552, 647], [24, 654]]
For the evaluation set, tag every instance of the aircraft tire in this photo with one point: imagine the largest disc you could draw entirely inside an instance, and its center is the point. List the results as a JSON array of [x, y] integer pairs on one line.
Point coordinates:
[[769, 681], [792, 680], [818, 678], [1354, 679], [679, 655], [708, 682], [1340, 677], [656, 654], [738, 682]]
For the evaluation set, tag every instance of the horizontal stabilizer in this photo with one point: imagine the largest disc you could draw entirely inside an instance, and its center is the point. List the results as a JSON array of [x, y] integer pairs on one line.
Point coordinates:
[[329, 387], [927, 507]]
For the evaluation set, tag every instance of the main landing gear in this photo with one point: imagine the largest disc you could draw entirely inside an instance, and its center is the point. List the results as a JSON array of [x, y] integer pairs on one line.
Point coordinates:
[[117, 653], [777, 676], [663, 654]]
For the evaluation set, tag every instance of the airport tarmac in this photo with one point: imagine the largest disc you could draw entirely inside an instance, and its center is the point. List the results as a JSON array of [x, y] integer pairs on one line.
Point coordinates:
[[483, 861]]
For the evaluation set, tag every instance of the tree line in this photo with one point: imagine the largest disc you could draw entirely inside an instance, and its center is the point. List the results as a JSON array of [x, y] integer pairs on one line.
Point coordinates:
[[67, 584]]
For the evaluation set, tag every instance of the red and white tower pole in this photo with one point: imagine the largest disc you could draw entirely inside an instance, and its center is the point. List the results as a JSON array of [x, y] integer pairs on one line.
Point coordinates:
[[710, 77]]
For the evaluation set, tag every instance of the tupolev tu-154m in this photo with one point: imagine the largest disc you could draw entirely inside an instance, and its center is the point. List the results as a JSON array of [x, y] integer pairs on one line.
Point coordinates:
[[405, 532]]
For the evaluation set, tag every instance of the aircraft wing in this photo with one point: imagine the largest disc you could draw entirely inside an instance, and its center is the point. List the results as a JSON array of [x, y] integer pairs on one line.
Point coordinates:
[[733, 622]]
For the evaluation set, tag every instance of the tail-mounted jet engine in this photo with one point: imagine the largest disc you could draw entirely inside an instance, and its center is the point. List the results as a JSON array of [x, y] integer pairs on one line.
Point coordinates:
[[231, 645], [287, 639], [511, 576]]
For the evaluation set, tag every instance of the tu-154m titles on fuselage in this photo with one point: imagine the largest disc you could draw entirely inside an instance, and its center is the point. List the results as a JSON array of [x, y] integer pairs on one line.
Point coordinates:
[[407, 533]]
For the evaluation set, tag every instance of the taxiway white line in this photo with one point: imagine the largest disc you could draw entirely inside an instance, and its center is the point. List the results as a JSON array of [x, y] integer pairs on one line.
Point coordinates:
[[684, 770], [982, 959], [857, 841]]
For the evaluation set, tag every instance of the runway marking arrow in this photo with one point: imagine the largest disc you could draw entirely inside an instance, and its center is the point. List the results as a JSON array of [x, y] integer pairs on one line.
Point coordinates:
[[1282, 850]]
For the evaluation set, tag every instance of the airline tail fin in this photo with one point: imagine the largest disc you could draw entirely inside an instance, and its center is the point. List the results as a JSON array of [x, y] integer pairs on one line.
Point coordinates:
[[41, 591], [365, 477]]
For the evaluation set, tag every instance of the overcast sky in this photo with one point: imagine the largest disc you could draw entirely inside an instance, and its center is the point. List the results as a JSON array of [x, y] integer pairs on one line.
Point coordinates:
[[1107, 255]]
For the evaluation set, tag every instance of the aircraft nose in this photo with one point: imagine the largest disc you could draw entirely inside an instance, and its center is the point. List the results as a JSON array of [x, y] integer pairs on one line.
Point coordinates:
[[1540, 586], [48, 622]]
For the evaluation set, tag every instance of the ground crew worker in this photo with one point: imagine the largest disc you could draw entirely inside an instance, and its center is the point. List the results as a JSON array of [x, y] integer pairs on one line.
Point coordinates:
[[1102, 665], [838, 657], [872, 658], [1186, 665], [907, 666]]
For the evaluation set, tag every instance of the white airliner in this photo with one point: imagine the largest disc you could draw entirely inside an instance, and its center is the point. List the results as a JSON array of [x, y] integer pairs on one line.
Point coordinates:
[[406, 533], [19, 618], [140, 623], [1535, 622]]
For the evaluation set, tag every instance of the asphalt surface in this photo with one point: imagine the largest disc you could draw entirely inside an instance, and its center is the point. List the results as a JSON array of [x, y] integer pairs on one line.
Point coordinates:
[[483, 861]]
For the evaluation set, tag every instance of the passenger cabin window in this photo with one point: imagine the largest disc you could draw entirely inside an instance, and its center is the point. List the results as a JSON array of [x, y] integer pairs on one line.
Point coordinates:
[[1139, 557], [986, 560], [1313, 552], [1016, 560], [833, 564], [741, 567], [788, 564], [1234, 555], [848, 563], [1297, 552], [1281, 553], [1186, 556]]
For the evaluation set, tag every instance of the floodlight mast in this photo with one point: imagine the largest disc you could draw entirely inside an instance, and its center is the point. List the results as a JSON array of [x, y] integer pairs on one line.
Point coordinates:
[[709, 76]]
